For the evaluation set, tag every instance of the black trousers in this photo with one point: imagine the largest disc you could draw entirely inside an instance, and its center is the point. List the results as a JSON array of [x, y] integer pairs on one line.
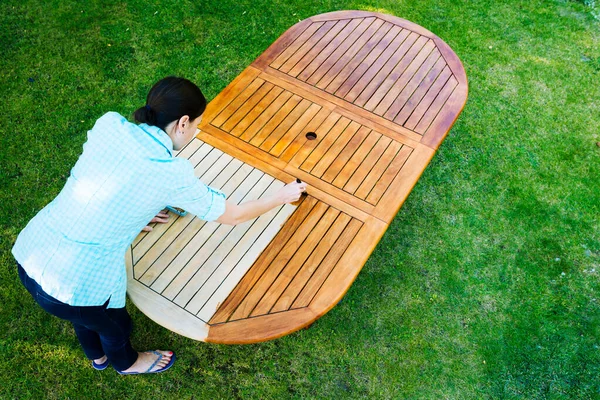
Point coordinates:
[[100, 330]]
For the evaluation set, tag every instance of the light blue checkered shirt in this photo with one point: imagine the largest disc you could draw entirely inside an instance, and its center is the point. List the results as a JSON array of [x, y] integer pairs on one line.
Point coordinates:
[[74, 248]]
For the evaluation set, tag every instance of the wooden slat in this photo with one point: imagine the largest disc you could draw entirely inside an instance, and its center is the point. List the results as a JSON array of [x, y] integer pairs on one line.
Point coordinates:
[[224, 163], [287, 252], [268, 115], [316, 49], [239, 99], [404, 85], [281, 282], [233, 277], [198, 157], [263, 328], [342, 159], [400, 188], [303, 48], [336, 148], [329, 49], [337, 250], [247, 106], [349, 265], [400, 42], [378, 170], [298, 42], [203, 166], [321, 131], [411, 83], [229, 94], [440, 126], [339, 49], [140, 237], [356, 47], [394, 35], [428, 99], [390, 173], [150, 239], [256, 111], [179, 265], [286, 124], [297, 129], [325, 143], [181, 289], [159, 257], [381, 38], [129, 263], [389, 88], [281, 115], [199, 288], [301, 142], [180, 233], [436, 106], [419, 93], [326, 245], [265, 259], [366, 166], [356, 160], [401, 58], [190, 149]]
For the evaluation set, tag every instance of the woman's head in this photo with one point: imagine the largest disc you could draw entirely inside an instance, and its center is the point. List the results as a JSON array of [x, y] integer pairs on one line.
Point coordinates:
[[175, 105]]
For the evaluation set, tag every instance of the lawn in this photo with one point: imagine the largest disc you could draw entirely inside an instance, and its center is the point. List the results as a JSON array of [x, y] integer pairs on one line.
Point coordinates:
[[485, 286]]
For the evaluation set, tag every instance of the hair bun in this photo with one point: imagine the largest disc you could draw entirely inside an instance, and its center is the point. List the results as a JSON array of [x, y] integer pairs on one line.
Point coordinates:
[[145, 115]]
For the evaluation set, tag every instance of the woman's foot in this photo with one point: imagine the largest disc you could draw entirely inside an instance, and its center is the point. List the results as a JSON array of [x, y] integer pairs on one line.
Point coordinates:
[[146, 359], [100, 363], [101, 360]]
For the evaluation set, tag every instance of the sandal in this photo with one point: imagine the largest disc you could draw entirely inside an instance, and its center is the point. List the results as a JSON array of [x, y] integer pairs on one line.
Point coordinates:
[[100, 367], [149, 370]]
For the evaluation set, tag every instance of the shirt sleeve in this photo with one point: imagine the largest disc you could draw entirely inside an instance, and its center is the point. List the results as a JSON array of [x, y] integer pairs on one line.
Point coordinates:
[[197, 198]]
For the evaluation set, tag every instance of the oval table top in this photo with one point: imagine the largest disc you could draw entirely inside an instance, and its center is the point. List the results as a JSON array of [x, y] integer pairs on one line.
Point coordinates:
[[355, 104]]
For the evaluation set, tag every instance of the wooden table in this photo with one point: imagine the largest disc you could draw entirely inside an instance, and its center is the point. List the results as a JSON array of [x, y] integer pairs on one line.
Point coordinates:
[[353, 103]]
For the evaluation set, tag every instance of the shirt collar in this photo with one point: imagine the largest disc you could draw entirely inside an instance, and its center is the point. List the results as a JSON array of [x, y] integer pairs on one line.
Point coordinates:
[[159, 135]]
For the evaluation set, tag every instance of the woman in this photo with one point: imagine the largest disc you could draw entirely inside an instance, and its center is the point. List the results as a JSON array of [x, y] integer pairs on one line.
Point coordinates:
[[70, 256]]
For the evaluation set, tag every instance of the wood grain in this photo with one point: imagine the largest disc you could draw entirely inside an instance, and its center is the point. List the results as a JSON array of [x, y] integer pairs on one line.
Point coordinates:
[[313, 263]]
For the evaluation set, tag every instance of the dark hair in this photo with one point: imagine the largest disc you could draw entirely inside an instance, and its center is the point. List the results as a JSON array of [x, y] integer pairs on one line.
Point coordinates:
[[170, 99]]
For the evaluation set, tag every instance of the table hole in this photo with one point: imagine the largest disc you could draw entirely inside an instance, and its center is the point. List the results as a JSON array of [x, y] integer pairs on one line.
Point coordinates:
[[311, 136]]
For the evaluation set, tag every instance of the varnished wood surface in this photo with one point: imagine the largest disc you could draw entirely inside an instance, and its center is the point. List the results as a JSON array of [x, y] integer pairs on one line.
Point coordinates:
[[378, 94]]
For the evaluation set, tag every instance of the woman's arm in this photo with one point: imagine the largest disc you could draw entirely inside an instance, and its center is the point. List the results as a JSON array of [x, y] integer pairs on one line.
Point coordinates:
[[238, 213]]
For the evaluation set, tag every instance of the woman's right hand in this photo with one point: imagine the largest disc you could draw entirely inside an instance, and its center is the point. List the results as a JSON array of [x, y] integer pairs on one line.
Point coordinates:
[[291, 192]]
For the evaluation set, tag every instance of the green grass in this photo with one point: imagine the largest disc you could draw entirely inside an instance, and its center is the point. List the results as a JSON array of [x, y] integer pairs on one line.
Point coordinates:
[[486, 285]]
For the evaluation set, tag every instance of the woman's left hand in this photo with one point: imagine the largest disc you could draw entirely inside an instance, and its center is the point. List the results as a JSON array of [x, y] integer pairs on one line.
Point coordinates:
[[162, 217]]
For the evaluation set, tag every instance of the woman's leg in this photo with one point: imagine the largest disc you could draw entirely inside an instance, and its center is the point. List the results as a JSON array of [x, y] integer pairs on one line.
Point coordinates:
[[90, 342], [113, 327]]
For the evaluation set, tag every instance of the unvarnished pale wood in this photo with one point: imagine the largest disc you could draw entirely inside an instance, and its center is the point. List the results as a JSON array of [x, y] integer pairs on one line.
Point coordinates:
[[380, 94]]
